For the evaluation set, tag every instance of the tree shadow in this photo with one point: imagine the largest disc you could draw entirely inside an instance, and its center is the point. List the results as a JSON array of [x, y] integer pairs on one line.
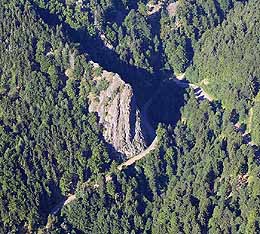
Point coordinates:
[[167, 97], [165, 107], [108, 59]]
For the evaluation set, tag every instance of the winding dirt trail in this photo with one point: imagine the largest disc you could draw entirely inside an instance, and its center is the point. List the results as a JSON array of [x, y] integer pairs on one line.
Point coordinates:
[[179, 80], [136, 158], [199, 92], [63, 203], [108, 178], [151, 132]]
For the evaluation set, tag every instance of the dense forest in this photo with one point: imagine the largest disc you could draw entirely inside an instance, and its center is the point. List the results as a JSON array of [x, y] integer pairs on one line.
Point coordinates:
[[201, 179], [44, 118], [204, 174], [227, 60]]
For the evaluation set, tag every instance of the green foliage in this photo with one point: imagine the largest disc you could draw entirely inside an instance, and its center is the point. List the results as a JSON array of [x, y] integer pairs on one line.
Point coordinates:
[[49, 141], [201, 178], [226, 60], [189, 184], [254, 121], [180, 32]]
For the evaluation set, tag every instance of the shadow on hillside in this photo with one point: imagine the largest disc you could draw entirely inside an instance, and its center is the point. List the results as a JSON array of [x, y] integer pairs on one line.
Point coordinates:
[[165, 108], [167, 105]]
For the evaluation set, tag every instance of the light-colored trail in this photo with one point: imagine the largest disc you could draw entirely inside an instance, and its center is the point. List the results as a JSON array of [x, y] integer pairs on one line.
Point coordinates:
[[129, 162], [136, 158], [108, 178], [63, 203], [199, 92], [179, 80], [181, 83]]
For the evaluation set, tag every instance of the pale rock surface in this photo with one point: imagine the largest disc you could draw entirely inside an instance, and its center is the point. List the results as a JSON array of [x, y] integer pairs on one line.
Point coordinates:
[[119, 115]]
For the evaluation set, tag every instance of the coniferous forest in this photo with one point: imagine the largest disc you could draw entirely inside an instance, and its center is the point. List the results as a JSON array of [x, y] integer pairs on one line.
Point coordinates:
[[196, 63]]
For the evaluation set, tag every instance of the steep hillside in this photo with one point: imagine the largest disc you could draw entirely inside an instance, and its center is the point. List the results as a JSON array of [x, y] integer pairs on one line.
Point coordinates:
[[49, 140], [226, 61], [122, 122], [84, 85]]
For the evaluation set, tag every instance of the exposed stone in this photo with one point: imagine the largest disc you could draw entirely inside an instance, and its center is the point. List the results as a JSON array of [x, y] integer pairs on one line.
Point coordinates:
[[118, 114], [172, 8]]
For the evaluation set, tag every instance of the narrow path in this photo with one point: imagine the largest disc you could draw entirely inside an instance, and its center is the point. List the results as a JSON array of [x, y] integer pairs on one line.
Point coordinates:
[[129, 162], [63, 203], [108, 178], [199, 92], [179, 80], [132, 160]]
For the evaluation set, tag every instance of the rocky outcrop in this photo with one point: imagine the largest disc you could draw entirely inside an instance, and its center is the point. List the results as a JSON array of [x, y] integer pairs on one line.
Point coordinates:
[[118, 113]]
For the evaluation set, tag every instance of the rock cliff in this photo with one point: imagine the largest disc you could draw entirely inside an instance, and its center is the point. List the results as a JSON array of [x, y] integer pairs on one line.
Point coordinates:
[[122, 122]]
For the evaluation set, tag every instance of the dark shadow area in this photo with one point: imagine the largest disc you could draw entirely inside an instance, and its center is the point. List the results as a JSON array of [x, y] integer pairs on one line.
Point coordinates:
[[167, 104], [118, 13], [58, 206], [165, 108], [257, 156], [143, 184], [246, 138], [140, 79], [158, 60], [201, 98]]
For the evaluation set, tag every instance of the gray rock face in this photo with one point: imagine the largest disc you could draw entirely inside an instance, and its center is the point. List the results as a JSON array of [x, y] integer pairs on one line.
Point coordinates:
[[118, 114]]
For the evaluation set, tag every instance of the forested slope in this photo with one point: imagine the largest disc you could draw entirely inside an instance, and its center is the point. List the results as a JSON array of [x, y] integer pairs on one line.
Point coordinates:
[[49, 141], [201, 179], [202, 176], [145, 41], [226, 60]]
